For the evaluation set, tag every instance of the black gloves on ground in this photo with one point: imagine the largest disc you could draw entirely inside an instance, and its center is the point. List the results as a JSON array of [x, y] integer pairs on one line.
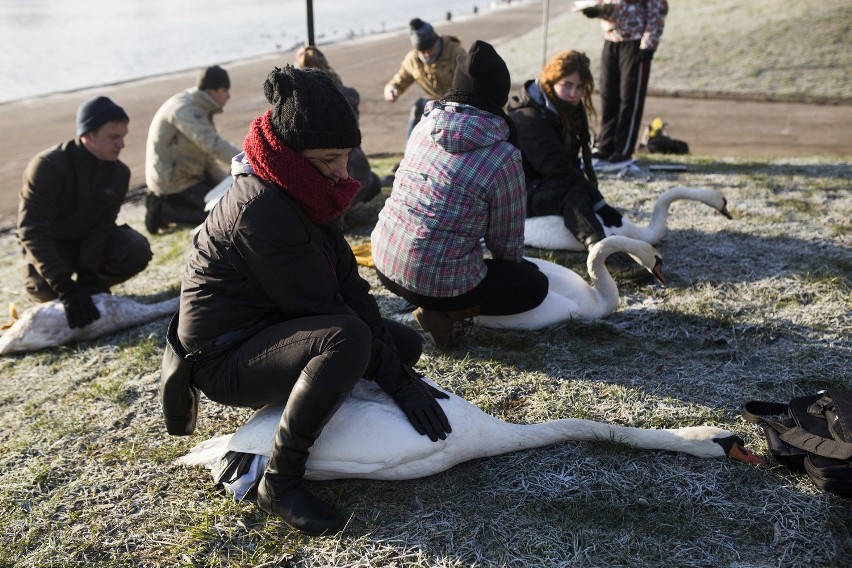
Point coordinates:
[[416, 398], [594, 11], [646, 54], [80, 311], [610, 215]]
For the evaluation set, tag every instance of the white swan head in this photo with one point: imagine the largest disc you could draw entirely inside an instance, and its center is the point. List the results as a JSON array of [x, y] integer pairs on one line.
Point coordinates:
[[643, 253], [710, 197]]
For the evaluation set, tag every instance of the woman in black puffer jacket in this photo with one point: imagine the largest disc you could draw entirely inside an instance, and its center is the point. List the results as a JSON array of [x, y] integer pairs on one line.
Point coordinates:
[[272, 302]]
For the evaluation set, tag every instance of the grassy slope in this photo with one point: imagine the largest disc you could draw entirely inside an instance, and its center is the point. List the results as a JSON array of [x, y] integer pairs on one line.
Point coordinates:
[[757, 307], [793, 49]]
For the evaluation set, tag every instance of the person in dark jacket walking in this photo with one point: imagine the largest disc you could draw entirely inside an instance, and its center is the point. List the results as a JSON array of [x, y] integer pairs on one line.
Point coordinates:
[[68, 206], [270, 264]]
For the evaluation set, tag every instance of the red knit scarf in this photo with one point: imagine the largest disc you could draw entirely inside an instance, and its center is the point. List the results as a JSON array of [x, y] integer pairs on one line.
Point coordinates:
[[275, 162]]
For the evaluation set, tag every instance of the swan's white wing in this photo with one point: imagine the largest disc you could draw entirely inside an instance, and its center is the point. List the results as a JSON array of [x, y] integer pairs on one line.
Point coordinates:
[[549, 232]]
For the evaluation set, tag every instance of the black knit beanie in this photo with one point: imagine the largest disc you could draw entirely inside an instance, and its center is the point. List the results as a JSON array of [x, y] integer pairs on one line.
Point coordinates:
[[309, 111], [213, 78], [483, 73], [422, 34], [96, 112], [482, 80]]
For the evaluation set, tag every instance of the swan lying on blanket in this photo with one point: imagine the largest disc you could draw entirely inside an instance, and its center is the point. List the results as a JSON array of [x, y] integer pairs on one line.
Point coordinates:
[[549, 231], [45, 325], [369, 437], [569, 296]]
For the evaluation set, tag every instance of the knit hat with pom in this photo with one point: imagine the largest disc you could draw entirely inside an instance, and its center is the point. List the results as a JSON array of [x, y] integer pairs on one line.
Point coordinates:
[[309, 111], [422, 34]]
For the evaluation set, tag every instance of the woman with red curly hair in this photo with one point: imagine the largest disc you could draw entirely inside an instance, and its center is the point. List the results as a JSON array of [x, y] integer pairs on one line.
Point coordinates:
[[551, 114]]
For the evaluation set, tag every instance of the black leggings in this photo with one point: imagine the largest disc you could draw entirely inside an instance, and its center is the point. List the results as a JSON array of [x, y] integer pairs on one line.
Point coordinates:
[[332, 350], [508, 288]]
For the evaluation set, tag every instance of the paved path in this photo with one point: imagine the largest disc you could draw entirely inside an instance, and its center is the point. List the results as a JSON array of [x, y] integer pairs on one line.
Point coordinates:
[[712, 127]]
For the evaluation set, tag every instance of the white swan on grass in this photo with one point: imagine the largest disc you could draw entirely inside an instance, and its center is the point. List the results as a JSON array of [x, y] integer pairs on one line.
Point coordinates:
[[569, 296], [549, 232], [370, 438], [44, 325]]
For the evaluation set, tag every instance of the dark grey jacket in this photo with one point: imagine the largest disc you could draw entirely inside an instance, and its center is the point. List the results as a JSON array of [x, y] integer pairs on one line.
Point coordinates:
[[69, 195], [259, 256]]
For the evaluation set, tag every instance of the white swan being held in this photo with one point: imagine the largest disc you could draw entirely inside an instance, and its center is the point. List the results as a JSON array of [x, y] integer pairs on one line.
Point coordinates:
[[369, 437], [549, 232], [569, 296], [45, 325]]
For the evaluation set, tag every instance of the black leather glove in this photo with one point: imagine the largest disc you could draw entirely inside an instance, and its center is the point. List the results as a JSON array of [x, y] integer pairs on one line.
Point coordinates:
[[610, 215], [594, 12], [646, 54], [416, 398], [80, 311]]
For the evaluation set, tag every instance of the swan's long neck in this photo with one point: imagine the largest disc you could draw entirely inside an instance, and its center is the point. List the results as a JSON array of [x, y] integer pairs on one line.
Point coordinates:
[[602, 282], [697, 441], [656, 229]]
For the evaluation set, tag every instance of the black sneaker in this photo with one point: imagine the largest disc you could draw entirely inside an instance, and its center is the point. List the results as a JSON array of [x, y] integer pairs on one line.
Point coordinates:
[[153, 214], [622, 267], [598, 155]]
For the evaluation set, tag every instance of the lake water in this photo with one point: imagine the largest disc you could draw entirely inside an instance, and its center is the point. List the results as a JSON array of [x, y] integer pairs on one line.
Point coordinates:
[[50, 46]]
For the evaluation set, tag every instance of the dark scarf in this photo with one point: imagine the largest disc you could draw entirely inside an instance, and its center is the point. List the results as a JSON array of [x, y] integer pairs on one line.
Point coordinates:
[[576, 123], [275, 162], [482, 103]]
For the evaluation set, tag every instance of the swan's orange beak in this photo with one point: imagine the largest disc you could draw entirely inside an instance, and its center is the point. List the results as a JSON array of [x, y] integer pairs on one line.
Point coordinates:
[[734, 449], [741, 454], [658, 270], [724, 210]]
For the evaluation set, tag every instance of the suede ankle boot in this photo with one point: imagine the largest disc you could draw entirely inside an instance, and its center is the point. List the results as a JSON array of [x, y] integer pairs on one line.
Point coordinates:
[[439, 325], [281, 490]]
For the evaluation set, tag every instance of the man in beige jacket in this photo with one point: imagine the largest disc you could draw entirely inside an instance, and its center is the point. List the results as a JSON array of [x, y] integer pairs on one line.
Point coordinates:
[[431, 64], [185, 157]]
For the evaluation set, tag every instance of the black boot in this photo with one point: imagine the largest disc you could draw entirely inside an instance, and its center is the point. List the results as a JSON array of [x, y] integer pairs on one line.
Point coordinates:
[[153, 213], [281, 490]]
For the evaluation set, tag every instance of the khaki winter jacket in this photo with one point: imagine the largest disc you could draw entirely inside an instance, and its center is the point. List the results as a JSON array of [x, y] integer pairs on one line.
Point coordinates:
[[435, 78], [183, 146]]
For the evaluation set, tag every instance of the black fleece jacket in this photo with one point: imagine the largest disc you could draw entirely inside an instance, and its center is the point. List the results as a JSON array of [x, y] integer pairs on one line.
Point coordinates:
[[258, 257]]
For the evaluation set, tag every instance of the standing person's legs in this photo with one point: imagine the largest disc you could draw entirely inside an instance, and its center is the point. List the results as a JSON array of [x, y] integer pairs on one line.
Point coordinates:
[[634, 85], [311, 364], [610, 89]]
